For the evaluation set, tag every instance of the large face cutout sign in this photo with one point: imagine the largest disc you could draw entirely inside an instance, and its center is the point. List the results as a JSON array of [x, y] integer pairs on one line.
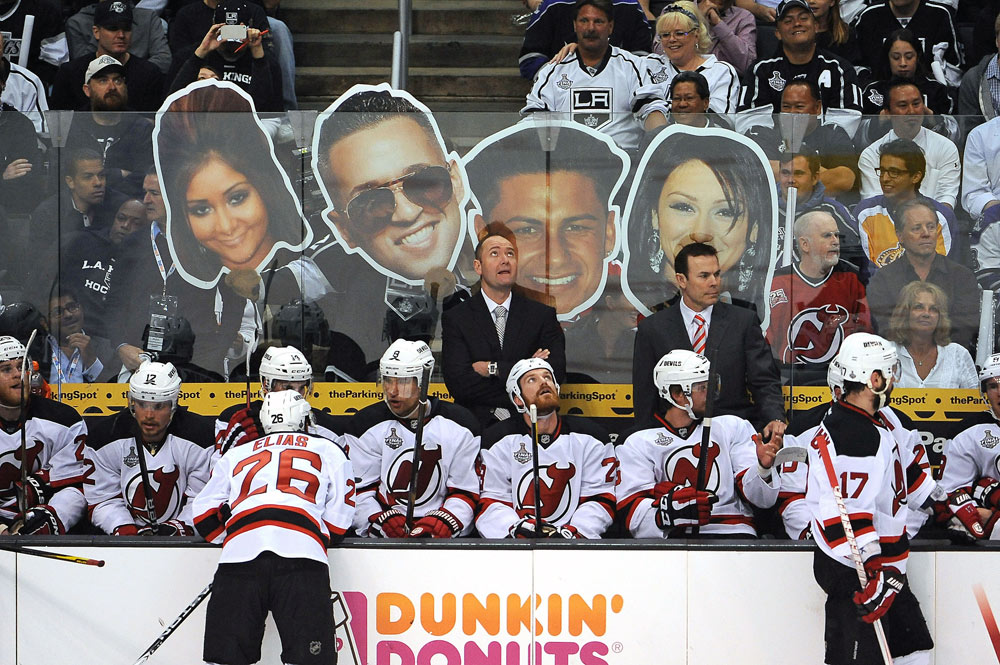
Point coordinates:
[[552, 183], [230, 206], [701, 185], [393, 194]]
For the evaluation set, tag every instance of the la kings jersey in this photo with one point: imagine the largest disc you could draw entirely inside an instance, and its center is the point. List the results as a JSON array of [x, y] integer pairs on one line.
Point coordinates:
[[577, 472], [56, 439], [723, 81], [610, 98], [662, 454], [320, 424], [177, 472], [381, 450], [286, 493], [838, 85]]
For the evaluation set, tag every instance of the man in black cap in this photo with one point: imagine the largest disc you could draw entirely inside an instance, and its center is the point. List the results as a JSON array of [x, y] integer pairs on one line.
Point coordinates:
[[149, 39], [113, 32]]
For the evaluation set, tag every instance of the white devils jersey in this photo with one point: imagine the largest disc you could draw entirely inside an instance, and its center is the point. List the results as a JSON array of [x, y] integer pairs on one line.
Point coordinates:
[[284, 493], [577, 472], [973, 454], [868, 466], [381, 450], [662, 454], [177, 472], [604, 98], [56, 439]]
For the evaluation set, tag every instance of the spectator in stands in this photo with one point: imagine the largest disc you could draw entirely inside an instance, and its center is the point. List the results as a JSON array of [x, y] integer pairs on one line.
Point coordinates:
[[929, 22], [900, 57], [904, 105], [149, 41], [801, 58], [113, 32], [689, 100], [732, 31], [833, 33], [900, 173], [818, 301], [25, 92], [77, 356], [802, 171], [244, 62], [78, 206], [685, 41], [979, 94], [551, 27], [21, 183], [980, 199], [124, 139], [838, 161], [918, 228], [920, 329], [48, 39]]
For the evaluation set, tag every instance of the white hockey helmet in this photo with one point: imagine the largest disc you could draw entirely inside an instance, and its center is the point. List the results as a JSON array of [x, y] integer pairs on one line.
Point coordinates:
[[405, 359], [835, 377], [155, 382], [680, 368], [990, 370], [10, 348], [285, 411], [863, 353], [283, 363], [520, 368]]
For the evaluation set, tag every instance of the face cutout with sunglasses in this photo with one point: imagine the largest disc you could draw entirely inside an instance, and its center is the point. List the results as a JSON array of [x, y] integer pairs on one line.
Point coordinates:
[[398, 199]]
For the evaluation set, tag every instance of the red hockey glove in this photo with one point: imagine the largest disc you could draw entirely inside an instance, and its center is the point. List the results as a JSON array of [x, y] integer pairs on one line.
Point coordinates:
[[132, 530], [876, 598], [38, 490], [964, 509], [244, 426], [567, 532], [525, 528], [388, 524], [659, 489], [437, 524], [41, 521], [986, 494], [174, 528], [684, 506]]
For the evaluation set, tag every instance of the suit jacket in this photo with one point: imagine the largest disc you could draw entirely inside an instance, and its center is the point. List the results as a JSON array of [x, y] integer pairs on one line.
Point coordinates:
[[469, 334], [739, 355]]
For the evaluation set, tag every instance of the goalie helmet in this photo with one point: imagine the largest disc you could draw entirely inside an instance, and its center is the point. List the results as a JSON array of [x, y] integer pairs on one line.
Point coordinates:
[[520, 368], [10, 348], [863, 353], [680, 368], [285, 411], [405, 359], [835, 377], [155, 382], [283, 363]]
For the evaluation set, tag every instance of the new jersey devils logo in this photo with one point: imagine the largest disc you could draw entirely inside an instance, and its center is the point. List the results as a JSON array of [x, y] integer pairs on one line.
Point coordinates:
[[10, 463], [815, 334], [681, 466], [166, 493], [429, 475], [557, 497]]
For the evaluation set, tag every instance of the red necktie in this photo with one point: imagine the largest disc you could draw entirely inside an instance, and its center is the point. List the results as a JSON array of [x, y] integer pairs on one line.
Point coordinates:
[[700, 335]]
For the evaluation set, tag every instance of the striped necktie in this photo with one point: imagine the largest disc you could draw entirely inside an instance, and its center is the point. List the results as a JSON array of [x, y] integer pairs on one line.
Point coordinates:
[[700, 335]]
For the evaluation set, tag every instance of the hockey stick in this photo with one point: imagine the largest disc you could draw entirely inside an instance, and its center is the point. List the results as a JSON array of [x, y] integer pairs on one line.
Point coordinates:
[[176, 623], [146, 487], [706, 430], [22, 497], [821, 442], [16, 549], [418, 442], [536, 482]]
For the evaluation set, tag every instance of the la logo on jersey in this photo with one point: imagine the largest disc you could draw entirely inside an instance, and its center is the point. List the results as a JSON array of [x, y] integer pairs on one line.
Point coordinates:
[[592, 106]]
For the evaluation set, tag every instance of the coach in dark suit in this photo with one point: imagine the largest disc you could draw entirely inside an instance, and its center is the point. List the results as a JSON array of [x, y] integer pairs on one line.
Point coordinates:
[[733, 342], [474, 362]]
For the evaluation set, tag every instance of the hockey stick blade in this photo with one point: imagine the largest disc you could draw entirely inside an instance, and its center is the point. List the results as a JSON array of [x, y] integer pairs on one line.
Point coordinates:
[[173, 626], [17, 549], [791, 454]]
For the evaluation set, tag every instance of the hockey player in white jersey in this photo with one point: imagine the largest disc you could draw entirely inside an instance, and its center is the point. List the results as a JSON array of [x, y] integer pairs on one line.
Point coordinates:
[[276, 504], [281, 368], [55, 442], [176, 448], [576, 464], [658, 495], [381, 447], [972, 459]]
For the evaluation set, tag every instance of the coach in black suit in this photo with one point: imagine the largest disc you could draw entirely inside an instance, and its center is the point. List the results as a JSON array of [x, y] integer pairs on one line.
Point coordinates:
[[474, 362], [735, 345]]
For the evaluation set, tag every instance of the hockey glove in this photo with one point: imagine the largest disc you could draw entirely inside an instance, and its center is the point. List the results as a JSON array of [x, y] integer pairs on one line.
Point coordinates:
[[437, 524], [244, 426], [38, 491], [173, 528], [684, 506], [388, 524], [525, 528], [985, 492], [965, 524], [41, 521], [567, 532], [877, 597], [132, 530]]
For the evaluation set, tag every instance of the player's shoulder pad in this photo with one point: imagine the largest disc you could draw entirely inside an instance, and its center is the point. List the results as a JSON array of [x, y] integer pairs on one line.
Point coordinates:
[[194, 427], [102, 430], [336, 424], [53, 411], [582, 425], [456, 413], [513, 425], [368, 417], [977, 419], [229, 411]]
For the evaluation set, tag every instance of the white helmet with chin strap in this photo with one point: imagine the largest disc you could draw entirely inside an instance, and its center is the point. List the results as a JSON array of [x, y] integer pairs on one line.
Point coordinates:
[[406, 359], [284, 411], [520, 368], [283, 363], [864, 353], [155, 382], [835, 377], [680, 368], [990, 370], [10, 348]]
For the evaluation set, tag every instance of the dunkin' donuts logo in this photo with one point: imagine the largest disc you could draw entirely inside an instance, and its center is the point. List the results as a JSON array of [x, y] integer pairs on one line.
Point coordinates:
[[471, 629]]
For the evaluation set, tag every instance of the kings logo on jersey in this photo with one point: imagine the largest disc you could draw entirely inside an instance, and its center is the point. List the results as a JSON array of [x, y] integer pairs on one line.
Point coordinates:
[[815, 334], [681, 466], [557, 498], [11, 46], [592, 106], [429, 474], [166, 494]]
